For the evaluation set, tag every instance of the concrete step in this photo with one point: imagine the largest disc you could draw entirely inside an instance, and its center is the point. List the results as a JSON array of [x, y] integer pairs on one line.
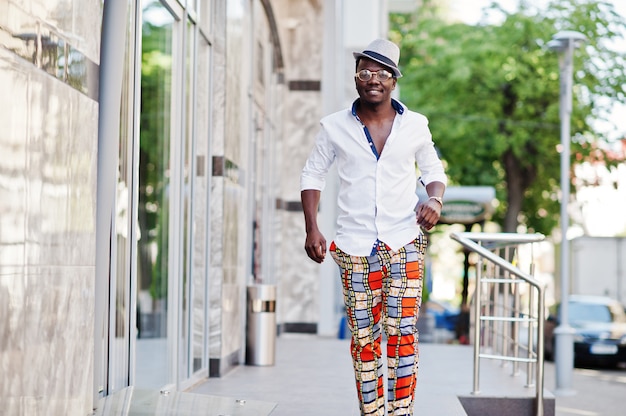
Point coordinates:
[[498, 406], [503, 393]]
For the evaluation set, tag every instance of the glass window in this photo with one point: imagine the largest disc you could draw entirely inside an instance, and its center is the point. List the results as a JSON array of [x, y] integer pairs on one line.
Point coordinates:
[[154, 196], [120, 331], [589, 312]]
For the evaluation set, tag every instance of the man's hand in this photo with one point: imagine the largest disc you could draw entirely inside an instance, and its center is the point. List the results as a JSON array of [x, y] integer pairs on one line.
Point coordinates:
[[428, 213], [315, 246]]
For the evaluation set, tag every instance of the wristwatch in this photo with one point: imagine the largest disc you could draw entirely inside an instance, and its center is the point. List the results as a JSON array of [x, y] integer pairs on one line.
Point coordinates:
[[438, 199]]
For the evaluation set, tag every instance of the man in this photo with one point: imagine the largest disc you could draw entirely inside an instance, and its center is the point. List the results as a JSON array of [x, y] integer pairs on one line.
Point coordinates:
[[379, 246]]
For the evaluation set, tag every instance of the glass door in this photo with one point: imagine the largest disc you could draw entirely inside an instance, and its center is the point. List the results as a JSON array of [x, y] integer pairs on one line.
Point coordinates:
[[154, 317], [121, 319], [192, 362]]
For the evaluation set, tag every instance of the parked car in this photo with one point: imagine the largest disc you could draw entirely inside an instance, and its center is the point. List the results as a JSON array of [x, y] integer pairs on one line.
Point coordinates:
[[600, 325], [446, 315]]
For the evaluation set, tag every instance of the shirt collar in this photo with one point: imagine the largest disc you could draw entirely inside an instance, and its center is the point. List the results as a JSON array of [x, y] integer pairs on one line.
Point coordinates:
[[395, 104]]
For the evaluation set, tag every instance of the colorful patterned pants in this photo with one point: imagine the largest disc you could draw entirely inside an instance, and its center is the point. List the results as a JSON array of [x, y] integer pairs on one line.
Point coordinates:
[[384, 287]]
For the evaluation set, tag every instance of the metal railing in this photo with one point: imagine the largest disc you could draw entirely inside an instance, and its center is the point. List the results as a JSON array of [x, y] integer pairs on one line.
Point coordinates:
[[506, 299]]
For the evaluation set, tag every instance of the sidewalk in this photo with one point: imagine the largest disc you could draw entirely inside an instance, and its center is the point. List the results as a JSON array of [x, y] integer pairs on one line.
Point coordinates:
[[313, 376]]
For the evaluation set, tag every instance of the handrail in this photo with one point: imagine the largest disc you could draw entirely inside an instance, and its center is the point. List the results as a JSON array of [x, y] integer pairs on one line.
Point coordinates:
[[483, 244], [468, 243]]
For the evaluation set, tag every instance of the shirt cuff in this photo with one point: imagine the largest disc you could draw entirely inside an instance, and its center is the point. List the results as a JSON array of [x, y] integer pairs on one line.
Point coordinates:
[[307, 182], [434, 177]]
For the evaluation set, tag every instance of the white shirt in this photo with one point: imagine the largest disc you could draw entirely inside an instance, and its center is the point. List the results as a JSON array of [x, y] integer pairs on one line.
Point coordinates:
[[377, 196]]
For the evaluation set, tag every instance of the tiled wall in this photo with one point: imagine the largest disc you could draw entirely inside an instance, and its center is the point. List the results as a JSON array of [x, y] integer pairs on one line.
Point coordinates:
[[48, 145]]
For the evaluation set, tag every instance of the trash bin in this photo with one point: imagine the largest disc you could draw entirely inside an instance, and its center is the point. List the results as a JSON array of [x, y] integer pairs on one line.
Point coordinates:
[[261, 325]]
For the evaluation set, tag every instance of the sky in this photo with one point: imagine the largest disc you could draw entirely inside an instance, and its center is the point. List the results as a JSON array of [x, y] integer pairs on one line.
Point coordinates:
[[470, 11]]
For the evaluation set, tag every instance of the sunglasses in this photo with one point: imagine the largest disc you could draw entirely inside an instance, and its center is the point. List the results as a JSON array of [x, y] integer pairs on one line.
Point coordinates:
[[365, 75]]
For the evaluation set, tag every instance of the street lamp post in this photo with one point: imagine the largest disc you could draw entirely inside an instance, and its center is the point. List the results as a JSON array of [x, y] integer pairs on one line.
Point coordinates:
[[565, 42]]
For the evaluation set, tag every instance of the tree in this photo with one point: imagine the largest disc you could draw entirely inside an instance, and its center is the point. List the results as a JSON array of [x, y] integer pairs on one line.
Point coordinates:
[[154, 166], [491, 93]]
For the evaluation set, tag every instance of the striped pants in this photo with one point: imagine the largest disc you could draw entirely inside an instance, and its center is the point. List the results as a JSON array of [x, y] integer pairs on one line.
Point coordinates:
[[387, 287]]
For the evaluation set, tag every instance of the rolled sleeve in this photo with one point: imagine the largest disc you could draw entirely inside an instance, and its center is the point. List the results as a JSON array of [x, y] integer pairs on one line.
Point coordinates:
[[320, 159], [312, 182], [429, 164], [434, 177]]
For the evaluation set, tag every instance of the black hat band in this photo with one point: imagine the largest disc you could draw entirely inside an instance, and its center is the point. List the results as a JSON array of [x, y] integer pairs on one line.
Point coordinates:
[[380, 57]]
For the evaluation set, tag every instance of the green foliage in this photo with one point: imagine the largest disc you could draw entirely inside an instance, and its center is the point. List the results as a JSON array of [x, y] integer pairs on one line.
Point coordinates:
[[155, 125], [491, 93]]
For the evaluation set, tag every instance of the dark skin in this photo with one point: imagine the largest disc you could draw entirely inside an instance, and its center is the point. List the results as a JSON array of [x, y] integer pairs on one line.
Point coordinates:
[[377, 113]]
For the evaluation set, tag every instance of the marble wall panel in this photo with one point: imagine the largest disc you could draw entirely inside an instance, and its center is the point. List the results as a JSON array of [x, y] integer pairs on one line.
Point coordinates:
[[215, 313], [50, 349], [299, 278], [61, 192], [12, 288], [349, 88], [216, 275], [299, 25], [60, 37], [199, 267], [226, 286], [218, 96], [47, 225], [231, 232], [216, 204], [233, 285], [298, 283], [14, 81], [78, 20], [217, 220], [236, 123], [233, 319], [300, 129], [49, 180], [14, 20], [277, 173], [86, 23]]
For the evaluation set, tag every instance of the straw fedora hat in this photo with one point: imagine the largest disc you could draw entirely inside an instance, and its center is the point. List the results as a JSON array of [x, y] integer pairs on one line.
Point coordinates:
[[384, 52]]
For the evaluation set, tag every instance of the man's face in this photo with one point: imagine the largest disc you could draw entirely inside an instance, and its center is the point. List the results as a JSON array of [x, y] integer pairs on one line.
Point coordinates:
[[374, 91]]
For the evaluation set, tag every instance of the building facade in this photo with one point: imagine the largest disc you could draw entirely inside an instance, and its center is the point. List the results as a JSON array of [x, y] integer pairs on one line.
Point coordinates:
[[151, 152]]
